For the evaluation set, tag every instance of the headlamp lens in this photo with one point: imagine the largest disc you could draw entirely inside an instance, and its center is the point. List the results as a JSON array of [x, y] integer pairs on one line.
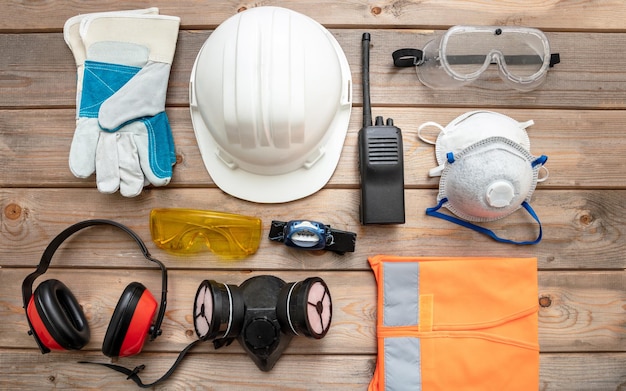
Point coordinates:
[[305, 234], [189, 231]]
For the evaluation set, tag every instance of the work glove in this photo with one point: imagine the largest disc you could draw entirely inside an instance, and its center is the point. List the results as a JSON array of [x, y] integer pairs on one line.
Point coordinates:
[[122, 132], [71, 35]]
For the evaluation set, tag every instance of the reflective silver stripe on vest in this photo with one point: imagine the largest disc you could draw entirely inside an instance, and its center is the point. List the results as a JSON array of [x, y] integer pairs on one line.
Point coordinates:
[[400, 294], [401, 308], [403, 369]]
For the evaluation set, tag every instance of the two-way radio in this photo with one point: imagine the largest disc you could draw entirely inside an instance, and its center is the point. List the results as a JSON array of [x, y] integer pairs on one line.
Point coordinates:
[[381, 162]]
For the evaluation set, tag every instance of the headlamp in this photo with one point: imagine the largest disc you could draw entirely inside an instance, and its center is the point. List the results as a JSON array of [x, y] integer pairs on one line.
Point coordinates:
[[312, 235]]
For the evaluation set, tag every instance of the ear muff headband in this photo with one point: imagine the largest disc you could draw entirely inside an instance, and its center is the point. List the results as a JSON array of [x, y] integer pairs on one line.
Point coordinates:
[[46, 258]]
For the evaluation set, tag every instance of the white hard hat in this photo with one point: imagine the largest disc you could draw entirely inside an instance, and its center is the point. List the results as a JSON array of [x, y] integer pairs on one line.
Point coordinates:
[[270, 98]]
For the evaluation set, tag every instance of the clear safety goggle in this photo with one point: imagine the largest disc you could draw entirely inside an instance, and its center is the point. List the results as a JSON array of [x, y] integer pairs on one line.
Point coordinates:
[[189, 231], [463, 53]]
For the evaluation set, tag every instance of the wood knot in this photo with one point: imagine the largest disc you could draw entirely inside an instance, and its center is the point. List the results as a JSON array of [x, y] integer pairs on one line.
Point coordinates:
[[13, 211], [376, 10], [545, 301], [179, 159], [585, 219], [190, 333], [242, 8]]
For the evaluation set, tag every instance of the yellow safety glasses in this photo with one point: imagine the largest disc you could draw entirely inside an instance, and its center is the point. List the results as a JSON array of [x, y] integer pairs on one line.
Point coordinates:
[[189, 231]]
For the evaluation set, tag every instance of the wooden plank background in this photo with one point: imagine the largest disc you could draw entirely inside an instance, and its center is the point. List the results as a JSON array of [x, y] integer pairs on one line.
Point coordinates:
[[579, 114]]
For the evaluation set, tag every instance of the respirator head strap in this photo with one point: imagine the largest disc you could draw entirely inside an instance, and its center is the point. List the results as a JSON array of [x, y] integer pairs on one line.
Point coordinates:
[[434, 212]]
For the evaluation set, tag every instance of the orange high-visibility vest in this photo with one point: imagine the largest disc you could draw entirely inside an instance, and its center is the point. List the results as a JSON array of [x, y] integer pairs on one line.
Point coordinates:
[[456, 324]]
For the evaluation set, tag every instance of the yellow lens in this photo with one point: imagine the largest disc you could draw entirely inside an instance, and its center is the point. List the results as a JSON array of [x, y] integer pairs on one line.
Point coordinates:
[[189, 231]]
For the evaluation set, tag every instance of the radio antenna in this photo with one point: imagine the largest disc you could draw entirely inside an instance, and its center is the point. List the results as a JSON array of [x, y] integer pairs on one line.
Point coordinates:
[[365, 66]]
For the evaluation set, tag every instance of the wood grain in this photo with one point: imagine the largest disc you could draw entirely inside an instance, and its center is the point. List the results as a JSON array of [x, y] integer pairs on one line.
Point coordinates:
[[40, 71], [202, 369], [573, 14], [582, 229], [579, 116], [580, 145]]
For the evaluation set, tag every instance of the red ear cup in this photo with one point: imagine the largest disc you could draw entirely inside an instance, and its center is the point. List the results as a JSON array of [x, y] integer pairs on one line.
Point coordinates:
[[130, 322], [305, 307], [57, 318], [218, 310]]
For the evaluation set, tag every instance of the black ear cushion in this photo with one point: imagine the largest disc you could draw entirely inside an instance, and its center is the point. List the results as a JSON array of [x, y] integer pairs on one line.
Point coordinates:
[[61, 314], [120, 320]]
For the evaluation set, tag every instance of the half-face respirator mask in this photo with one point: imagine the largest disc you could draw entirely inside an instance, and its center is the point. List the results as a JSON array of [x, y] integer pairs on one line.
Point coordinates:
[[486, 168], [463, 53], [263, 313]]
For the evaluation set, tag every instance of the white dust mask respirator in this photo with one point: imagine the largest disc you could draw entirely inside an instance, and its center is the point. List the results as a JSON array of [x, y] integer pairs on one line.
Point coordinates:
[[486, 168]]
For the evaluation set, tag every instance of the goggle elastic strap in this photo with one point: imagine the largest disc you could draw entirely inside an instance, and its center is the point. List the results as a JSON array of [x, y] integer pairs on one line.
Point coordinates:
[[404, 58], [434, 211], [555, 58]]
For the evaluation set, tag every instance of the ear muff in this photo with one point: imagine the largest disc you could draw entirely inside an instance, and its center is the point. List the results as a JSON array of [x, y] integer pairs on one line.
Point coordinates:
[[218, 310], [305, 307], [130, 323], [56, 320], [56, 317]]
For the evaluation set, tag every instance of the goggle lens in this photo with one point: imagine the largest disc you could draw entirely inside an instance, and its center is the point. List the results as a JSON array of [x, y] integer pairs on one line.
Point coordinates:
[[189, 231], [521, 53], [463, 53]]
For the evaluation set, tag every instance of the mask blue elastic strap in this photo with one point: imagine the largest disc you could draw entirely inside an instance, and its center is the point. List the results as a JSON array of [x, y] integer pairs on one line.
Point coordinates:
[[435, 212], [541, 160]]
